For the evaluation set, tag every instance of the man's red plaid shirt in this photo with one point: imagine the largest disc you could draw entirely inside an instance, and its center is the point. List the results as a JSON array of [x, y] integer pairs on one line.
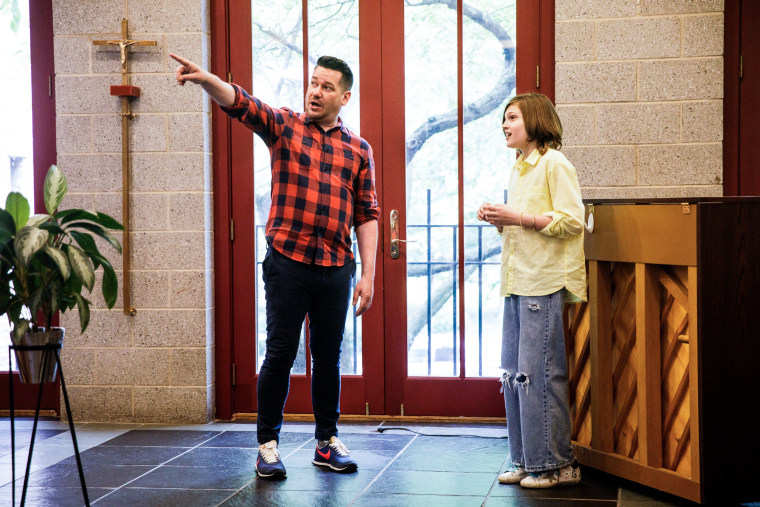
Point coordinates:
[[323, 183]]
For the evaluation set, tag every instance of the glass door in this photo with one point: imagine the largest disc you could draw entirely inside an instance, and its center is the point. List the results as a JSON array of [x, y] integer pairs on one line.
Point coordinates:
[[287, 38], [445, 279]]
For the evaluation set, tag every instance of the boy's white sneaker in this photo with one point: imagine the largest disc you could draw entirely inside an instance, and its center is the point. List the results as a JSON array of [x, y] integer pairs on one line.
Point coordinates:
[[565, 476], [513, 476]]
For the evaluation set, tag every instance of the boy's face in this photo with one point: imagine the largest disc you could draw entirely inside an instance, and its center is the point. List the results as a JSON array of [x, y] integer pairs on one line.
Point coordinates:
[[325, 97], [515, 132]]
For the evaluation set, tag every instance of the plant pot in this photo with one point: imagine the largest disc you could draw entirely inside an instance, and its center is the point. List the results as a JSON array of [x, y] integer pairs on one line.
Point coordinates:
[[30, 361]]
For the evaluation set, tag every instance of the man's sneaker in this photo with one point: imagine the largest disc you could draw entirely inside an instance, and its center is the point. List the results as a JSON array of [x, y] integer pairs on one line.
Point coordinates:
[[513, 476], [565, 476], [268, 462], [335, 456]]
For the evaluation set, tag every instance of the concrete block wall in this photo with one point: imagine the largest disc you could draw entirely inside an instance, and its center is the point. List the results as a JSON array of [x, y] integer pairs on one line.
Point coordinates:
[[158, 365], [639, 89]]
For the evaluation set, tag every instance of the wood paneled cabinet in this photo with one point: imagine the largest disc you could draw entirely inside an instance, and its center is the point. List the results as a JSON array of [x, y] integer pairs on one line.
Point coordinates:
[[665, 357]]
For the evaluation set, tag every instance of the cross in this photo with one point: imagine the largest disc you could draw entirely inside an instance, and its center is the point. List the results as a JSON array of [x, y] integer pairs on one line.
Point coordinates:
[[125, 92], [123, 44]]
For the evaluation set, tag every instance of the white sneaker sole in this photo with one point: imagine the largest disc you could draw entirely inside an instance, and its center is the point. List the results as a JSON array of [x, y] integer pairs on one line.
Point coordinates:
[[273, 475], [511, 480], [346, 470]]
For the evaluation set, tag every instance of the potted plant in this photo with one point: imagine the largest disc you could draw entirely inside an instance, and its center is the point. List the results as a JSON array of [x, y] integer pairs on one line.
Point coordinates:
[[45, 263]]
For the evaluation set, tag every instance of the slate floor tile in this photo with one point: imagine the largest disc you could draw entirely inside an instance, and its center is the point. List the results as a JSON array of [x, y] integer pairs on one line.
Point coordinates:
[[283, 498], [162, 438], [433, 483], [127, 455], [448, 461], [394, 500], [196, 477], [59, 497], [217, 457], [96, 476], [161, 497]]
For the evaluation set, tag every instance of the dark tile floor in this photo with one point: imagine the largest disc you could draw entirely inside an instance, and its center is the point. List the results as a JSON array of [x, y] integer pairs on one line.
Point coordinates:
[[137, 464]]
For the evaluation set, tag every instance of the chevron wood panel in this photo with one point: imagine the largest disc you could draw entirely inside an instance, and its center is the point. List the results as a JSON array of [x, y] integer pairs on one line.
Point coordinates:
[[577, 341], [676, 392], [624, 367]]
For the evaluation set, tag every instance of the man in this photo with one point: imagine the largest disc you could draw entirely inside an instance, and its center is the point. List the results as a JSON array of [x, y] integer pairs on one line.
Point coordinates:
[[323, 183]]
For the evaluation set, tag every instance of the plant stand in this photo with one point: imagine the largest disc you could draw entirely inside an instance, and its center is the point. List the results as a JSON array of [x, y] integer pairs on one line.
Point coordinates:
[[46, 350]]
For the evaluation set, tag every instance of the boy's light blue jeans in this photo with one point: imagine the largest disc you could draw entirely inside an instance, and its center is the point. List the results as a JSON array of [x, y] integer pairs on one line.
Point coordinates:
[[535, 382]]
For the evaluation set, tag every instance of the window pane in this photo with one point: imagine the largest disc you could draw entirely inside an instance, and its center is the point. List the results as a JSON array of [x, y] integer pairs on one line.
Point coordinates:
[[334, 31], [16, 165], [278, 81], [277, 37], [430, 53], [489, 81]]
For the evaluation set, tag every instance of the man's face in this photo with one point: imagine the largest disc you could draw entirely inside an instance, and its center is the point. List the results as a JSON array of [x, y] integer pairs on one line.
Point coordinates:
[[325, 97]]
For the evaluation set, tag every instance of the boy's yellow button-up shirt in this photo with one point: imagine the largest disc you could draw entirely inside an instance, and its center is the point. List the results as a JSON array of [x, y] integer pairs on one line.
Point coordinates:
[[540, 263]]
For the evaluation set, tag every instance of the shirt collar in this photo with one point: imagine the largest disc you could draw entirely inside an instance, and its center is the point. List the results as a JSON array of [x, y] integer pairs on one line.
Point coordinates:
[[523, 163], [339, 124]]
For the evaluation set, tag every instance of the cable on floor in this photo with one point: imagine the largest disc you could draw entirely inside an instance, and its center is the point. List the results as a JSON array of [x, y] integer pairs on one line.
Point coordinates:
[[381, 429]]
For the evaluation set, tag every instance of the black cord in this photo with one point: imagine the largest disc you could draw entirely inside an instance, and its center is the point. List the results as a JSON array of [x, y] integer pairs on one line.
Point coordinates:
[[381, 429]]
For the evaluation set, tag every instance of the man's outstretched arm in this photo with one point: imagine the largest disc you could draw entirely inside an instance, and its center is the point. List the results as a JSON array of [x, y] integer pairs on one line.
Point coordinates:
[[223, 93]]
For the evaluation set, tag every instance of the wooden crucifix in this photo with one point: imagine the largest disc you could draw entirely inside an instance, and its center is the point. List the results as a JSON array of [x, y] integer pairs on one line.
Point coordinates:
[[126, 92]]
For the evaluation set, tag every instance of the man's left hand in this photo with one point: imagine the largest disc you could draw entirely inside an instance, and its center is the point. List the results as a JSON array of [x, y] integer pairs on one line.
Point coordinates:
[[363, 292]]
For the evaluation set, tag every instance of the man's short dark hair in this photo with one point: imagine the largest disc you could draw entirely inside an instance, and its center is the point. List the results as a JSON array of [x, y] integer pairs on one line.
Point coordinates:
[[332, 63]]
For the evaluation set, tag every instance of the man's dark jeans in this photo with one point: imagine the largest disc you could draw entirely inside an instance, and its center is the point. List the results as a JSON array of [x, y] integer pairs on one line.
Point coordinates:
[[294, 290]]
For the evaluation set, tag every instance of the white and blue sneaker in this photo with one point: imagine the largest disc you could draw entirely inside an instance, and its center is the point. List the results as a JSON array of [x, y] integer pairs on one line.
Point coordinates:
[[268, 462], [335, 456]]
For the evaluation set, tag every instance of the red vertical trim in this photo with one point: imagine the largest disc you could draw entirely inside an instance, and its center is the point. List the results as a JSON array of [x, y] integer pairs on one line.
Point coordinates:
[[527, 45], [460, 176], [535, 46], [306, 82], [394, 192], [731, 114], [41, 48], [240, 194], [546, 47], [220, 126], [749, 100], [306, 77], [43, 103], [371, 111]]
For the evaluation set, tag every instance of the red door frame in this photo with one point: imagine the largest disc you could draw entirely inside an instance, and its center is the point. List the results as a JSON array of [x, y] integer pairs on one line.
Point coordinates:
[[383, 359], [236, 343], [741, 100], [732, 50], [41, 47]]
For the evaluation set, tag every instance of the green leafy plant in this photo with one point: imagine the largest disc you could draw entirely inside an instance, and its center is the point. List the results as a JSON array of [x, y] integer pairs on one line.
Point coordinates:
[[47, 260]]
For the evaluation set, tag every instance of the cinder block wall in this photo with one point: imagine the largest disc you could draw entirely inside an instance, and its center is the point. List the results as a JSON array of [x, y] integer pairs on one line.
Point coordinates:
[[157, 365], [639, 88]]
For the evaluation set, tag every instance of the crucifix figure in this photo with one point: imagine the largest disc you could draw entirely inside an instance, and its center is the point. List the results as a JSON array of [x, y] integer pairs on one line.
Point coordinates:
[[126, 92]]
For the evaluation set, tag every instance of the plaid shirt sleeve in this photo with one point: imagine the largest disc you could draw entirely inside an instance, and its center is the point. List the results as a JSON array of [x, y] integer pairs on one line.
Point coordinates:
[[266, 121], [365, 203]]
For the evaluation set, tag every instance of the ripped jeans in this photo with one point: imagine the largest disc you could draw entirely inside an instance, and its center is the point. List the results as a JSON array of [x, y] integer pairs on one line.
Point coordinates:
[[535, 382]]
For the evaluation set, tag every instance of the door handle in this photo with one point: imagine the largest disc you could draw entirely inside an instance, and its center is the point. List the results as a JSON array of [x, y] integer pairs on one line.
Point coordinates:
[[395, 252]]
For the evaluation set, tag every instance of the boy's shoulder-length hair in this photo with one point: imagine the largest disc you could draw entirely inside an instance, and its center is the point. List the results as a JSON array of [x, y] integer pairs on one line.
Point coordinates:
[[541, 120]]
